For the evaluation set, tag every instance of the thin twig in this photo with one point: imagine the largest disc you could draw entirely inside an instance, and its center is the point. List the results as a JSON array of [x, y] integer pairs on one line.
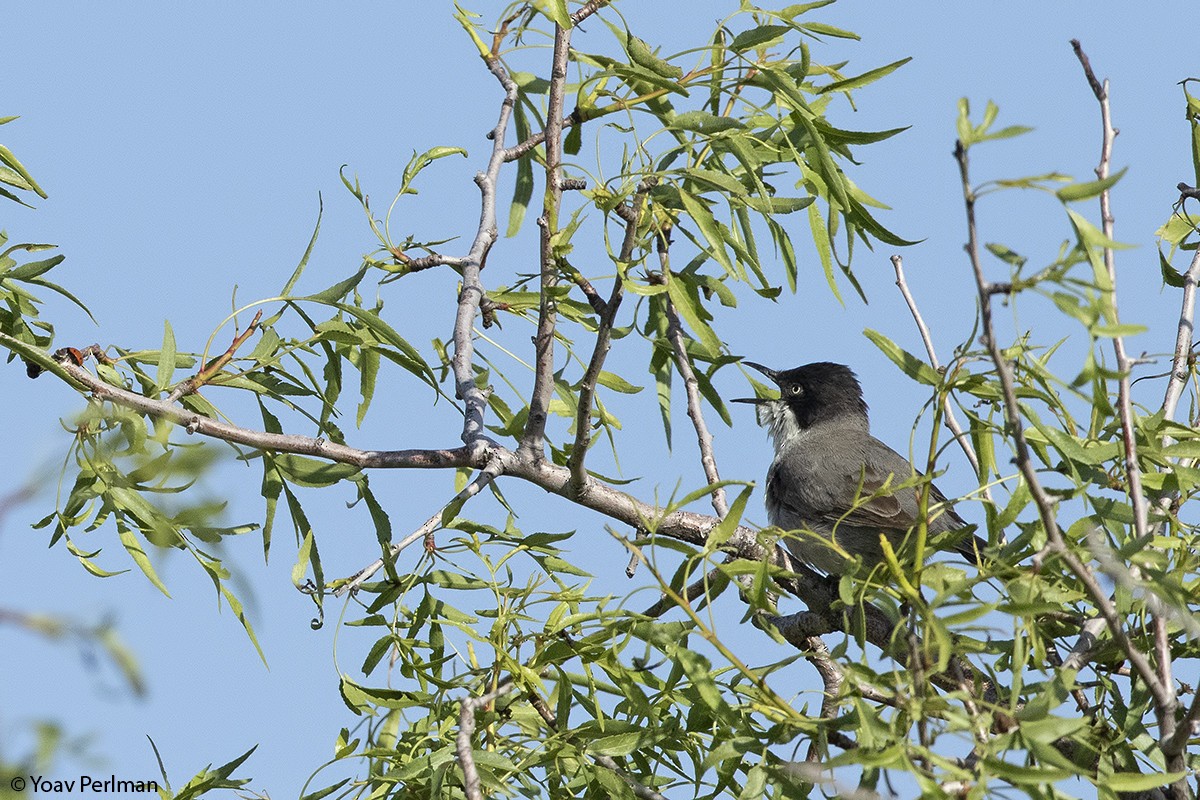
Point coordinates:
[[947, 407], [608, 315], [1133, 472], [695, 407], [485, 476], [466, 730], [533, 439], [1181, 359], [608, 762], [1166, 705], [708, 459], [214, 366], [1041, 499], [426, 262], [587, 9]]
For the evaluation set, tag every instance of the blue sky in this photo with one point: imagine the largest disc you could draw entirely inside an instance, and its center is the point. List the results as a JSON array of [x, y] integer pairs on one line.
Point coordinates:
[[184, 148]]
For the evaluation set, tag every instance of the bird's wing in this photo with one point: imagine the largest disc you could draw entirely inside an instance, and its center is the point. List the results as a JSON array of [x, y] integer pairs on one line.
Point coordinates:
[[871, 496]]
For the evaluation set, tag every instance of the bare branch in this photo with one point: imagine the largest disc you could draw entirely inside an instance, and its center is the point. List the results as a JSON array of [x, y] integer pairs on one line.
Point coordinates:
[[708, 458], [947, 407], [486, 476], [533, 440], [816, 592], [588, 8], [427, 262], [1045, 505], [1124, 405], [1181, 360], [472, 294], [1166, 704], [466, 729], [608, 315]]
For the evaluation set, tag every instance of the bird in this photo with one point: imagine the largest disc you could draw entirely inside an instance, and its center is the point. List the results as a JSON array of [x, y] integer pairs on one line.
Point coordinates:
[[835, 486]]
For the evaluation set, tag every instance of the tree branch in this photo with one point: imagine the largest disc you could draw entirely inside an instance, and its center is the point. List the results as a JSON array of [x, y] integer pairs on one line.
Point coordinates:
[[1045, 506], [533, 440], [1133, 472], [214, 366], [466, 456], [472, 293], [708, 459], [608, 315], [947, 407], [1167, 704], [1181, 360], [466, 729], [486, 476]]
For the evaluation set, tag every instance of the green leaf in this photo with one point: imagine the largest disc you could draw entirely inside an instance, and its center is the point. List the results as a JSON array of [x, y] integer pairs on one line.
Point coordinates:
[[721, 533], [829, 30], [235, 606], [641, 54], [33, 269], [555, 11], [166, 360], [312, 242], [1139, 782], [859, 81], [1088, 189], [523, 187], [757, 37], [10, 161], [709, 229], [134, 548], [617, 383], [699, 671], [420, 161], [691, 312], [909, 364], [622, 744], [704, 122], [1170, 276], [311, 472]]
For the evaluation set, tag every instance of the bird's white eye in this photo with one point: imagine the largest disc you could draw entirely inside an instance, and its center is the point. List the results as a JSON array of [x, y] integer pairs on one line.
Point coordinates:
[[796, 388]]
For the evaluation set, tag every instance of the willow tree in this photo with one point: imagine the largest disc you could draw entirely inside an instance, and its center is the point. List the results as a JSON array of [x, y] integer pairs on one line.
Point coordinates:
[[505, 672]]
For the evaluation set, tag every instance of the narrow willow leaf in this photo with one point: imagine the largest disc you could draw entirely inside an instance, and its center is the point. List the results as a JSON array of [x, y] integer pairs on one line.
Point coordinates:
[[135, 550], [758, 37], [523, 187], [312, 242], [708, 228], [33, 269], [1088, 189], [166, 359], [641, 54], [909, 364], [368, 369], [692, 313], [859, 81], [313, 473]]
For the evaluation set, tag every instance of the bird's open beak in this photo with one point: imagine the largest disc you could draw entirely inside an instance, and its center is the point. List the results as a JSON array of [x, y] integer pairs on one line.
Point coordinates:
[[770, 373]]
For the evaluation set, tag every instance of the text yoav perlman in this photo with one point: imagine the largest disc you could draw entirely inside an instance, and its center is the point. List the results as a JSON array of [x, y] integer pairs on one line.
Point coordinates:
[[88, 783]]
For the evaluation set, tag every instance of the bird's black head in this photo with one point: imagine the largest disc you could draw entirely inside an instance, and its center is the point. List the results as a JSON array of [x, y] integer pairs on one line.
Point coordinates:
[[816, 392]]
